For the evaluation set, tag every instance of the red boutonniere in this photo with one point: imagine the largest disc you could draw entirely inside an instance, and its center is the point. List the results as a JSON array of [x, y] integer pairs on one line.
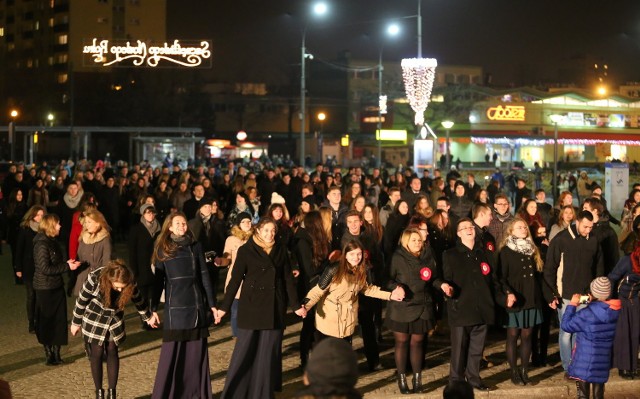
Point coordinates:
[[484, 267], [425, 274], [490, 246]]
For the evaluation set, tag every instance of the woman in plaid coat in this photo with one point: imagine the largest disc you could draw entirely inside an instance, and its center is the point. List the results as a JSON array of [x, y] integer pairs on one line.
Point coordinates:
[[99, 312]]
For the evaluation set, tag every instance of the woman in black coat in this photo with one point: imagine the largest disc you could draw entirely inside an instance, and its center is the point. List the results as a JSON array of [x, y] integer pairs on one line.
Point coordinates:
[[183, 368], [263, 267], [397, 222], [413, 317], [16, 209], [311, 249], [521, 294], [25, 265], [51, 301], [142, 237]]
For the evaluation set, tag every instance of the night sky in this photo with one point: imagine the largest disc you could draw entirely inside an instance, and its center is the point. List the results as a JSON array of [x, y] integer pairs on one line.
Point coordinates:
[[517, 41]]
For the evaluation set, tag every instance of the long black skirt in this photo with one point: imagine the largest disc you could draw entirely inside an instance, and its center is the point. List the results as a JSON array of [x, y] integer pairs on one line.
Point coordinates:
[[627, 339], [51, 316], [183, 370]]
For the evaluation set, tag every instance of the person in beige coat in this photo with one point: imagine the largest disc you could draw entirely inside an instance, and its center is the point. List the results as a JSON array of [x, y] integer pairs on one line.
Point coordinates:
[[336, 294], [240, 234]]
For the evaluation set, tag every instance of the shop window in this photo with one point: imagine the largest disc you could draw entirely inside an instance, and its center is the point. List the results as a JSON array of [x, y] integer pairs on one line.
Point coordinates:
[[573, 153], [618, 151]]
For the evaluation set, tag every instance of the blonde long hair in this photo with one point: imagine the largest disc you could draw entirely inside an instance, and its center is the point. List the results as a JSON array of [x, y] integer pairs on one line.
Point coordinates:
[[509, 232]]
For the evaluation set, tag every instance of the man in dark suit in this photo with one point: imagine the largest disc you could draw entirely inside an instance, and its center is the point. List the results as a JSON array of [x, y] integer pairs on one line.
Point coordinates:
[[469, 285]]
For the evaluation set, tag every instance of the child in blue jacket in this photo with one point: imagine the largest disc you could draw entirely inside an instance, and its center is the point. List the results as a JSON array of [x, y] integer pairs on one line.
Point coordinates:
[[595, 328]]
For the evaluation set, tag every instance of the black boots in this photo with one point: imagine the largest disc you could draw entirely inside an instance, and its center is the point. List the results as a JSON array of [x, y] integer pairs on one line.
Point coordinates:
[[48, 356], [524, 374], [417, 382], [598, 391], [402, 383], [515, 377], [584, 389], [100, 393], [55, 349], [111, 393]]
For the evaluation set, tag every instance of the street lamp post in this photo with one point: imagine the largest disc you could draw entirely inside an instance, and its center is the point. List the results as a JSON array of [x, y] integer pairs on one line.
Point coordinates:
[[392, 30], [321, 117], [447, 125], [319, 9], [12, 133], [554, 183]]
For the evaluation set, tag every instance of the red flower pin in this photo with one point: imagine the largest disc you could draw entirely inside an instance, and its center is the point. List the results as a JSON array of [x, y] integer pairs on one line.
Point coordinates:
[[425, 274], [490, 246], [484, 267]]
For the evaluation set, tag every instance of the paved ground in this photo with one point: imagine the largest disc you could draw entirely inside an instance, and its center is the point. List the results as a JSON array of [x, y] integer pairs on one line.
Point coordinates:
[[22, 361]]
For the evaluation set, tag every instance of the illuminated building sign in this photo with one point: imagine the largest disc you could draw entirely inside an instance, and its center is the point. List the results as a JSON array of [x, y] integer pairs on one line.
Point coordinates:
[[391, 135], [192, 54], [506, 113]]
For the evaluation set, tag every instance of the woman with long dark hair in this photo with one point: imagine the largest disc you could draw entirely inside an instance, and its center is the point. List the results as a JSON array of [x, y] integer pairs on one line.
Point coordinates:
[[99, 313], [51, 302], [519, 264], [16, 209], [183, 368], [311, 249], [25, 265], [264, 270], [626, 277], [336, 294]]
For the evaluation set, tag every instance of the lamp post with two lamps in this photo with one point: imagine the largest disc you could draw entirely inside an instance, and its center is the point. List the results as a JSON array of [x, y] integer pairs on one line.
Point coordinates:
[[447, 125], [318, 9], [555, 118]]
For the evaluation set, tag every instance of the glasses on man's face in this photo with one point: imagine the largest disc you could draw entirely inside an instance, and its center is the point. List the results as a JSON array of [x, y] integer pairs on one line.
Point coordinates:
[[466, 228]]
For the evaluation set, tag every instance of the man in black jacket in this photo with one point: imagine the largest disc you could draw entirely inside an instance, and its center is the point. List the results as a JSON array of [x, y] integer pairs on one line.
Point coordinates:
[[469, 283], [579, 254], [607, 237]]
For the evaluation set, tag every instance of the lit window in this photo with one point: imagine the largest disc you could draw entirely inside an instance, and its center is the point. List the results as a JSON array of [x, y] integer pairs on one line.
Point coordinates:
[[62, 78], [36, 25], [50, 60], [29, 63], [52, 3], [63, 39], [103, 20], [1, 31], [51, 22]]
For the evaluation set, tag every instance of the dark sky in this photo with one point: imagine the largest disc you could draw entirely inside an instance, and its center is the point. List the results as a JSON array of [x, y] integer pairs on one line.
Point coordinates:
[[517, 41]]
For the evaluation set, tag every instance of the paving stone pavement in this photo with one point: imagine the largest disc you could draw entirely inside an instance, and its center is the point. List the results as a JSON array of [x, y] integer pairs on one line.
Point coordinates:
[[22, 361]]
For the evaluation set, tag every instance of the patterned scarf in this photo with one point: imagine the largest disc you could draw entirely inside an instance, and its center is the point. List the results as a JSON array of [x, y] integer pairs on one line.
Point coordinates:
[[521, 245]]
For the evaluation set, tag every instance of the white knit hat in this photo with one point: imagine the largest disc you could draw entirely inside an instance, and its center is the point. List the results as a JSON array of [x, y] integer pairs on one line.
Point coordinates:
[[277, 198]]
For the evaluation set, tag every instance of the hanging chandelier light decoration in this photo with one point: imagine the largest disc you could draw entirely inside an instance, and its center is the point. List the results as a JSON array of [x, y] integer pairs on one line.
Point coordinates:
[[418, 75]]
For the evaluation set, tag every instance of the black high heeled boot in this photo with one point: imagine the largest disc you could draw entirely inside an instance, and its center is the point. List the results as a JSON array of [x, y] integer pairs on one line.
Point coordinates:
[[402, 383], [111, 393], [515, 377], [100, 393], [598, 391], [524, 374], [584, 389], [55, 349], [417, 382], [48, 355]]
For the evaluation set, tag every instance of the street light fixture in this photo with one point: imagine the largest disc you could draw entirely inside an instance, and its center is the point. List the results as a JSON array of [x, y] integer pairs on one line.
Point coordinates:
[[318, 9], [448, 125], [12, 133], [321, 117], [555, 118], [50, 119]]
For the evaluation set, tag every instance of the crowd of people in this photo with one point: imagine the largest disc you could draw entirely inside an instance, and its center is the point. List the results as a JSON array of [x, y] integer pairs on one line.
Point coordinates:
[[337, 250]]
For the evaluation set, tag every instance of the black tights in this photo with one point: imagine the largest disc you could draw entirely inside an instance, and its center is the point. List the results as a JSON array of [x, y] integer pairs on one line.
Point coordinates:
[[512, 345], [113, 364], [408, 345]]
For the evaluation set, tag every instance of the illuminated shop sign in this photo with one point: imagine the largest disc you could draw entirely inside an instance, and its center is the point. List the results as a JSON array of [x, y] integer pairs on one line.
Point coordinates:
[[126, 53], [506, 113]]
